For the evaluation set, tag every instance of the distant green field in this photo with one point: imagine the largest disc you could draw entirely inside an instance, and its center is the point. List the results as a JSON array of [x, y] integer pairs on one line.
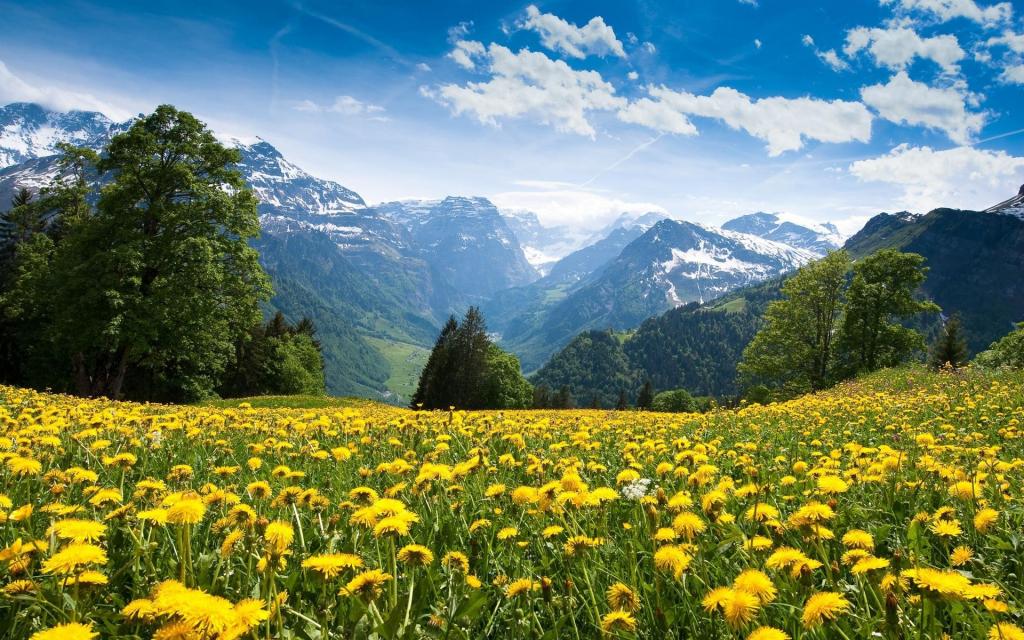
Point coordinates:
[[406, 361], [732, 306], [288, 402]]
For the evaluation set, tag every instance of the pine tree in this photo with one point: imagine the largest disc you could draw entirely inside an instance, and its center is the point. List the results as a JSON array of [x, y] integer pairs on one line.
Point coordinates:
[[564, 399], [433, 390], [541, 397], [622, 403], [949, 349], [646, 397], [470, 355]]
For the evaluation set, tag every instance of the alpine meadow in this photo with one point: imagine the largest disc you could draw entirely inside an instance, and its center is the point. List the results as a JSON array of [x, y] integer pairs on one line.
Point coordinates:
[[648, 320]]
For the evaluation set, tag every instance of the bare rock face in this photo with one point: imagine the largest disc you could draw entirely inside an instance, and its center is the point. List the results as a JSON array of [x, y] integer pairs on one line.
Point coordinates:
[[1021, 192]]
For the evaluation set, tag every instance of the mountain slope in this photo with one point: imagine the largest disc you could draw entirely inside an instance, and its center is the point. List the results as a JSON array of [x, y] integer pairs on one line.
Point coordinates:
[[818, 239], [29, 131], [467, 241], [975, 261], [671, 264]]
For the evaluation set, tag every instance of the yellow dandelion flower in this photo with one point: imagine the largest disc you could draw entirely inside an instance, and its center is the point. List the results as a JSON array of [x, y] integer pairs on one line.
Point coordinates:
[[618, 621], [823, 607], [622, 598], [415, 555], [367, 585], [69, 631], [74, 557], [331, 565]]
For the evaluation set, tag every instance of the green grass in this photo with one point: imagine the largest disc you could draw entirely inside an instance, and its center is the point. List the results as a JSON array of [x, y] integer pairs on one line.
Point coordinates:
[[733, 306], [406, 361], [288, 402]]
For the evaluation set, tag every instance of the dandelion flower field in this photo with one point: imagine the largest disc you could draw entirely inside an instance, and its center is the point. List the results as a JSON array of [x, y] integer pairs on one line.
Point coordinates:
[[889, 507]]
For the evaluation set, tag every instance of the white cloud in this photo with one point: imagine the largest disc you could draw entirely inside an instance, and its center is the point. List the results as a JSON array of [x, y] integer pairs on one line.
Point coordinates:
[[16, 89], [649, 48], [423, 66], [1013, 74], [459, 31], [830, 57], [465, 51], [1014, 41], [566, 204], [946, 10], [905, 101], [963, 177], [758, 43], [530, 83], [556, 34], [752, 3], [345, 105], [657, 115], [1013, 62], [632, 75], [897, 47], [785, 124]]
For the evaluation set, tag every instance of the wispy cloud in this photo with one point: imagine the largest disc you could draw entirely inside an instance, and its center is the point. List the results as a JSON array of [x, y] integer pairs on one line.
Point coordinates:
[[13, 88], [344, 105]]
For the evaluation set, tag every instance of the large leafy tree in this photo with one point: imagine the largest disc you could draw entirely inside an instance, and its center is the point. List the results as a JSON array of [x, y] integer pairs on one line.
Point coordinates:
[[795, 349], [1008, 351], [156, 286], [880, 293]]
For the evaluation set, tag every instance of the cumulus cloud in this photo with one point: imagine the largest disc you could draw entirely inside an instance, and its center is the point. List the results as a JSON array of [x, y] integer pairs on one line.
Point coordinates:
[[783, 123], [657, 115], [1009, 39], [344, 105], [1014, 74], [15, 89], [465, 51], [946, 10], [593, 38], [905, 101], [897, 47], [530, 83], [963, 177]]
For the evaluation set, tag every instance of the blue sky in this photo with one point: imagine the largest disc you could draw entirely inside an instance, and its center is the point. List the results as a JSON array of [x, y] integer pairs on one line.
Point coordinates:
[[577, 110]]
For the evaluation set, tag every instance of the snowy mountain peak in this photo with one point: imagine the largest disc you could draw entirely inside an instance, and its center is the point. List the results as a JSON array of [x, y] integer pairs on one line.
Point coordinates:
[[29, 131], [1012, 207], [803, 234]]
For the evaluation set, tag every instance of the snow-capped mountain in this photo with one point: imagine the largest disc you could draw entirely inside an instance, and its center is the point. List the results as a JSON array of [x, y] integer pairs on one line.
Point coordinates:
[[29, 131], [1012, 207], [816, 238], [283, 187], [467, 240], [671, 264], [543, 246]]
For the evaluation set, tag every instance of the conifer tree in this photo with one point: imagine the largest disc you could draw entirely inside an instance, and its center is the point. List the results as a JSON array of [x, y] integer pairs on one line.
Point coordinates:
[[622, 403], [541, 397], [950, 349], [433, 390], [646, 396], [564, 399]]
